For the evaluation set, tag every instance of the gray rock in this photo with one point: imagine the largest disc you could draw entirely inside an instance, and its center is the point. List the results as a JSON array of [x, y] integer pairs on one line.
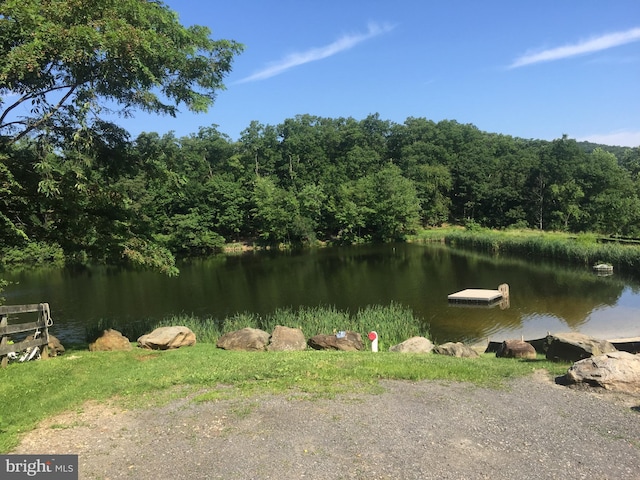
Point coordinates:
[[575, 346], [457, 349], [248, 339], [165, 338], [617, 371], [414, 345], [287, 339], [351, 341], [110, 340], [516, 349]]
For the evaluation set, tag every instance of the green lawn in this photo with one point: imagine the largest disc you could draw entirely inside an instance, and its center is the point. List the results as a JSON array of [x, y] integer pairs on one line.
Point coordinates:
[[33, 391]]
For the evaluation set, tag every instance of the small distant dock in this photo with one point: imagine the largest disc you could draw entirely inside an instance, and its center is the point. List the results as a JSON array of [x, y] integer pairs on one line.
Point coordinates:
[[603, 269], [478, 296]]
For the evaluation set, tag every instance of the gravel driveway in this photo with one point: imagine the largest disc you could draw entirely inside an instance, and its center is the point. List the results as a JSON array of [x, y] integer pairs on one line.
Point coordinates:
[[533, 429]]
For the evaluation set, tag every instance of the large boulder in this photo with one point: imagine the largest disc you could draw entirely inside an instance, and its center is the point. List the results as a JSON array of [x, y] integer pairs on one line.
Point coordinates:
[[413, 345], [56, 348], [575, 346], [248, 339], [165, 338], [287, 339], [457, 349], [516, 349], [346, 341], [618, 371], [110, 340]]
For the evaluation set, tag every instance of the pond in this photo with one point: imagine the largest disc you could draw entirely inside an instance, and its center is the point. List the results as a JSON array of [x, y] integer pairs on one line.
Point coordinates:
[[544, 297]]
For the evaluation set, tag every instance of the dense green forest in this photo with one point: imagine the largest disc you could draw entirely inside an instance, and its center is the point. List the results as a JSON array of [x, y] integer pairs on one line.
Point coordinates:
[[147, 200], [78, 189]]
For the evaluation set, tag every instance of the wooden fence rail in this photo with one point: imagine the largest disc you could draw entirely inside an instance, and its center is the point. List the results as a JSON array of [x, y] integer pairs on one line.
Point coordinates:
[[41, 325]]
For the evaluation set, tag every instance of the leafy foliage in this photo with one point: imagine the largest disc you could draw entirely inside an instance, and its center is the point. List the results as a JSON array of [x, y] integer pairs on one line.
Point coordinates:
[[72, 182], [69, 59], [146, 201], [68, 177]]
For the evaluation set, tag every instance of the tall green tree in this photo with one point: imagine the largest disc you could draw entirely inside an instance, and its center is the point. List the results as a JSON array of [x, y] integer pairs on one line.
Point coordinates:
[[215, 182], [71, 60], [508, 201], [350, 208], [228, 201], [558, 164], [382, 206], [259, 149], [306, 143], [631, 162], [611, 201], [276, 212], [394, 203], [433, 187], [65, 65]]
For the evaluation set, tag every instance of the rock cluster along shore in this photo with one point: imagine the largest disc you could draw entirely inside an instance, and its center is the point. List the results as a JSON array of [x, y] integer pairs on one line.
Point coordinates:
[[597, 363]]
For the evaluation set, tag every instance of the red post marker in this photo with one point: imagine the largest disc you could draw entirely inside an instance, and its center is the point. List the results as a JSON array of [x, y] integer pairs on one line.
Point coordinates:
[[373, 336]]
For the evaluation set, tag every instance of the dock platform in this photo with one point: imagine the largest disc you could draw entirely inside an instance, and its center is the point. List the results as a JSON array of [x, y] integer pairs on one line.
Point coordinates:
[[475, 295], [479, 296]]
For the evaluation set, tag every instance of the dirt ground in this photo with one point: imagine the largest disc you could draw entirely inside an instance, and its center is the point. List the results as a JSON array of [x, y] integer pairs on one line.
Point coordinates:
[[413, 430]]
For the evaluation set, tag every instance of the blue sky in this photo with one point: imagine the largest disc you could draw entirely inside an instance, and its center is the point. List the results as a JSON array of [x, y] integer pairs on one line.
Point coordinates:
[[530, 69]]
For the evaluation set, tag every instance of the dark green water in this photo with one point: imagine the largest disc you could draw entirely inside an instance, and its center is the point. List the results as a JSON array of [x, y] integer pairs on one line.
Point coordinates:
[[544, 297]]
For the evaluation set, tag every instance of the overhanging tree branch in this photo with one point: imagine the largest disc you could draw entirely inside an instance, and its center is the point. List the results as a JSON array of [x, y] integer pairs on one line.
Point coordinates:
[[135, 54], [35, 125], [25, 98]]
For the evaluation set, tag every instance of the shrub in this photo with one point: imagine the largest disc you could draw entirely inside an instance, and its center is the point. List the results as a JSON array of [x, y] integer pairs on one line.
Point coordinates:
[[33, 254]]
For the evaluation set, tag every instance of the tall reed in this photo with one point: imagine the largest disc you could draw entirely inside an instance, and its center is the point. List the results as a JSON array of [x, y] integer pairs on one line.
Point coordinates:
[[393, 323], [584, 249]]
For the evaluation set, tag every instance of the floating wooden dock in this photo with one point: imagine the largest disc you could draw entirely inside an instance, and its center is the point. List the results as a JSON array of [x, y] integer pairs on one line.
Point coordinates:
[[476, 295], [479, 296]]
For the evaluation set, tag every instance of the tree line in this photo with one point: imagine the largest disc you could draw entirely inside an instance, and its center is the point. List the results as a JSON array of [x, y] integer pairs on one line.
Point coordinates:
[[76, 188], [147, 200]]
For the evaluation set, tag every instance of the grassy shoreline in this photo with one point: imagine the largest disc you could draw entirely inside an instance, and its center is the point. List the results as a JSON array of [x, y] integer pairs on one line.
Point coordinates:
[[394, 323], [34, 391], [582, 249]]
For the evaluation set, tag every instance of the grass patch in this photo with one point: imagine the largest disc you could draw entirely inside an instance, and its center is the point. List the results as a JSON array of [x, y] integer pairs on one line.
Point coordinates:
[[34, 391], [581, 249], [394, 323]]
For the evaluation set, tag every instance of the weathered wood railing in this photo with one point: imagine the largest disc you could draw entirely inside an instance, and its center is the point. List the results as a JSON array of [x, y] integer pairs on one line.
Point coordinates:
[[41, 325]]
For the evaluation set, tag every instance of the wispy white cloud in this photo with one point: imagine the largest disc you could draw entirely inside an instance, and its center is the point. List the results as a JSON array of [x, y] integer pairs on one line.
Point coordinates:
[[622, 138], [594, 44], [296, 59]]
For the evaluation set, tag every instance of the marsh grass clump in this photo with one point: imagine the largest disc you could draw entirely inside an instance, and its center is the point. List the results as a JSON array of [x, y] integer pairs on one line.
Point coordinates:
[[394, 323], [582, 249]]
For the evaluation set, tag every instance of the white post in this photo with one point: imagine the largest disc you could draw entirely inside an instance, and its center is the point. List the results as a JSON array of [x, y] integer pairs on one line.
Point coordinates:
[[373, 336]]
